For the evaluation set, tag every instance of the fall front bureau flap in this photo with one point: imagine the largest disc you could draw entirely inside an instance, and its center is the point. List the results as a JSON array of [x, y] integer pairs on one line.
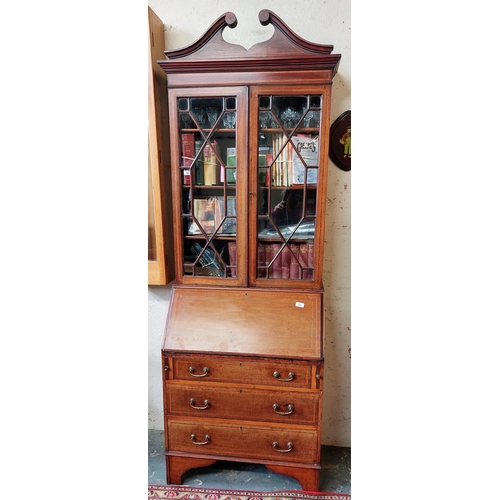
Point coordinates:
[[277, 323]]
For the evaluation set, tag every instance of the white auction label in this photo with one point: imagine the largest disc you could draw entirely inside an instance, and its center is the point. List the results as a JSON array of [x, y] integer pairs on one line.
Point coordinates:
[[299, 304]]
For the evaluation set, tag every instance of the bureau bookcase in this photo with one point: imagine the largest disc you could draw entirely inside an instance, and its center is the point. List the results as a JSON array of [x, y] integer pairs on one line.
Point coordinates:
[[244, 336]]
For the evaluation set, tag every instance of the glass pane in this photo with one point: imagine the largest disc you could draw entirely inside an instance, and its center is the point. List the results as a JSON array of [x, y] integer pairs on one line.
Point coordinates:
[[287, 176], [208, 164]]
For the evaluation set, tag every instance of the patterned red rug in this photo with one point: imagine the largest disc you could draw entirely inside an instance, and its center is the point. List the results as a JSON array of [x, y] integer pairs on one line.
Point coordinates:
[[188, 493]]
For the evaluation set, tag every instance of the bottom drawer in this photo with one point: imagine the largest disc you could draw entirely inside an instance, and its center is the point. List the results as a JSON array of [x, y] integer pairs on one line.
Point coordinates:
[[245, 441]]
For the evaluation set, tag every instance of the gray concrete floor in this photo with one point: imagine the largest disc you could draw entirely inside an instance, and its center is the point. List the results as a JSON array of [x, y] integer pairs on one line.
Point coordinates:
[[335, 473]]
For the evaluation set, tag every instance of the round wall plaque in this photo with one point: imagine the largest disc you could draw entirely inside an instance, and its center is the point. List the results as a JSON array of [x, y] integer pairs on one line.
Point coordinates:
[[340, 141]]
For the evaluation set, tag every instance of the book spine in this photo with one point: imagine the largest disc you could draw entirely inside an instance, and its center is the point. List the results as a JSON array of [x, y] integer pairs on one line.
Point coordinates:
[[294, 262], [285, 262], [269, 257], [187, 155], [230, 166], [276, 265], [303, 259], [187, 149], [199, 163], [209, 166], [273, 169], [269, 161], [216, 162], [261, 260], [310, 259], [232, 258]]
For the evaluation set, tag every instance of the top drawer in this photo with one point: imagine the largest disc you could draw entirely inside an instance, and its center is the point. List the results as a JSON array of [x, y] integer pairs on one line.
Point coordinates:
[[240, 371]]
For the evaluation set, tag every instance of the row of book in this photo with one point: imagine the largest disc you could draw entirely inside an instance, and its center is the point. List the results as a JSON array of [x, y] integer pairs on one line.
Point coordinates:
[[285, 166], [295, 261], [208, 169], [287, 262], [207, 163], [279, 164], [290, 262]]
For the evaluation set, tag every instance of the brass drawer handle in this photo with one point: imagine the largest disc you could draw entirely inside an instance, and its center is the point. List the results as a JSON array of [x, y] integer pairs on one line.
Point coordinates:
[[276, 408], [291, 376], [200, 443], [192, 403], [288, 450], [192, 371]]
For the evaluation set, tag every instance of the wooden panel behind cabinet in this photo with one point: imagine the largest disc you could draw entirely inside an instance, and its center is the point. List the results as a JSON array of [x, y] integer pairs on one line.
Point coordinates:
[[160, 254]]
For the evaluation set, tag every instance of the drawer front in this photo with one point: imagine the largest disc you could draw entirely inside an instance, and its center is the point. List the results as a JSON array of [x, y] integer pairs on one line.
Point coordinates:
[[239, 371], [269, 405], [246, 441]]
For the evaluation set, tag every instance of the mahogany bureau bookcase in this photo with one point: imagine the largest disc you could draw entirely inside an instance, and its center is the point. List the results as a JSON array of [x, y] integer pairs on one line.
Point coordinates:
[[244, 336]]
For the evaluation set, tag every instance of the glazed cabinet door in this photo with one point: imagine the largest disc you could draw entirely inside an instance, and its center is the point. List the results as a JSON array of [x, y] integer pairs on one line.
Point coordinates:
[[288, 172], [209, 176]]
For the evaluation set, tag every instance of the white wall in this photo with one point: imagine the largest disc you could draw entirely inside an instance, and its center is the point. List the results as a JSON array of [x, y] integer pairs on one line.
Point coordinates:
[[320, 21]]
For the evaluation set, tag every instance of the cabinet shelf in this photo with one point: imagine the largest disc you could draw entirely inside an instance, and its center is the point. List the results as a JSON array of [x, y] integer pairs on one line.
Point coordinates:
[[302, 130], [208, 130], [221, 237], [296, 187], [213, 186]]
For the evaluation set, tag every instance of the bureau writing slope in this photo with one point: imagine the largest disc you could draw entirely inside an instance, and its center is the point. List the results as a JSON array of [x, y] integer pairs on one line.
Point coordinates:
[[243, 343]]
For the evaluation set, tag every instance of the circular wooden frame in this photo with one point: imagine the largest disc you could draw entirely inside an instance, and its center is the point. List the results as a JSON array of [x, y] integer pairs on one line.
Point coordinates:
[[336, 151]]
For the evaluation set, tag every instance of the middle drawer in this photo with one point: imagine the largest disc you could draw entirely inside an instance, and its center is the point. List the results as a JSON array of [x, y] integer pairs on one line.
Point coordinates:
[[228, 402]]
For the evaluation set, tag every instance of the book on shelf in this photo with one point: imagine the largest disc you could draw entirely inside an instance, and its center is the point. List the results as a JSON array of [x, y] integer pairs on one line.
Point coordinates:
[[307, 147], [213, 215], [265, 165], [285, 262], [294, 262], [187, 156], [211, 164], [230, 171], [309, 274], [276, 265], [231, 247], [204, 215], [261, 260], [187, 149], [303, 259], [199, 166], [268, 257]]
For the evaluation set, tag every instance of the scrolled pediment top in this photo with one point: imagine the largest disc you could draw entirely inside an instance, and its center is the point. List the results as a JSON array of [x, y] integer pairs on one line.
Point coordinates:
[[284, 42], [215, 30], [268, 17]]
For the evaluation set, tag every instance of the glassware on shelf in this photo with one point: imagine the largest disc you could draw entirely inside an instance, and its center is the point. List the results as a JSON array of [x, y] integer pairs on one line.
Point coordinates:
[[308, 116], [272, 122], [290, 117], [315, 116], [229, 120], [199, 114], [264, 119], [212, 114], [186, 120]]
